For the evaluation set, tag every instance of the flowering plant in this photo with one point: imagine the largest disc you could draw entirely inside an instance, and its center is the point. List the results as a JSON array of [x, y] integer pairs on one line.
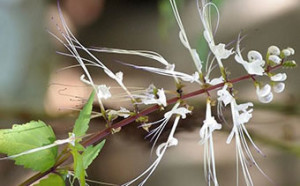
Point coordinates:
[[79, 144]]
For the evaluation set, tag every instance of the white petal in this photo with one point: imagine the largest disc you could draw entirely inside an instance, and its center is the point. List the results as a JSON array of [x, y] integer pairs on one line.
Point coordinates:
[[244, 117], [103, 92], [216, 81], [274, 50], [207, 37], [123, 112], [173, 142], [220, 51], [229, 138], [162, 97], [279, 77], [82, 78], [275, 59], [264, 91], [266, 99], [279, 87], [158, 150], [254, 55], [224, 96], [203, 130], [255, 66], [291, 50], [183, 39], [119, 75], [244, 106], [170, 67], [181, 111], [239, 59], [196, 58]]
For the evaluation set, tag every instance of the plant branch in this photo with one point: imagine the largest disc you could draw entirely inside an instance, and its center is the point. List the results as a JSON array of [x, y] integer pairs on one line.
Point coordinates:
[[98, 136]]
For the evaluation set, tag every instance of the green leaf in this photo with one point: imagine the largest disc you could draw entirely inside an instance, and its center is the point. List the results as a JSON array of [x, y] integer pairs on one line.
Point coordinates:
[[202, 46], [90, 153], [82, 122], [79, 171], [289, 64], [28, 136], [52, 179]]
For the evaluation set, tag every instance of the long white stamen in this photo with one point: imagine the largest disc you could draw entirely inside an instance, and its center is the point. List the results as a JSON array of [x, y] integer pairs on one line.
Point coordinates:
[[161, 149], [184, 39]]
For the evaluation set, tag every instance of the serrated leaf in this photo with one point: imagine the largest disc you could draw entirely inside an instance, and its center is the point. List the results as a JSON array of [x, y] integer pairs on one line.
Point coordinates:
[[28, 136], [90, 153], [79, 171], [52, 179], [82, 122]]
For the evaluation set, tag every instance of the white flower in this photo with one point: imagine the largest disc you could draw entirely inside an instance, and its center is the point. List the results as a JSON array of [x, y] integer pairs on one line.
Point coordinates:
[[264, 95], [123, 112], [161, 149], [255, 64], [103, 92], [279, 77], [220, 51], [274, 50], [224, 96], [240, 115], [179, 111], [279, 87], [214, 81], [149, 97], [209, 125]]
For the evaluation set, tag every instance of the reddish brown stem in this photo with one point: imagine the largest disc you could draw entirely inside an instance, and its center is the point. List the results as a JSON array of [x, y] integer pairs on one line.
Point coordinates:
[[98, 136]]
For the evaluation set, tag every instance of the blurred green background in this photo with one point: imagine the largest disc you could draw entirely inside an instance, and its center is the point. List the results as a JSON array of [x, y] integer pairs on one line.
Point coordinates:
[[32, 86]]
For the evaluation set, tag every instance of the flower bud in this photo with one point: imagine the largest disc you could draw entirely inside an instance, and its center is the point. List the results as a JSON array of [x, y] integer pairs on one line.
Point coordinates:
[[279, 77], [266, 99], [279, 87], [264, 95], [273, 50], [264, 91], [286, 52], [275, 59]]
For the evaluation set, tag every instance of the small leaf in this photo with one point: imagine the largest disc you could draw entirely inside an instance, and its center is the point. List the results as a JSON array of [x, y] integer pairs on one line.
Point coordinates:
[[90, 153], [289, 64], [28, 136], [82, 122], [79, 171], [52, 179]]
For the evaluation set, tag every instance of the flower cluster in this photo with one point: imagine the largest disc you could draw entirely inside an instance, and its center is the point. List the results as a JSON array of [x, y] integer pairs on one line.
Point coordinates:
[[255, 66]]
